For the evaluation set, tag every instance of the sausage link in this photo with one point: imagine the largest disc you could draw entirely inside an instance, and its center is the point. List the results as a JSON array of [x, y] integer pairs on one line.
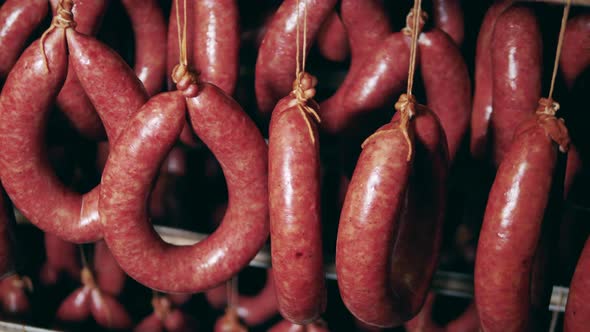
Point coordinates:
[[236, 142], [75, 308], [253, 310], [19, 20], [373, 84], [447, 85], [575, 56], [287, 326], [13, 295], [511, 232], [482, 97], [367, 26], [577, 315], [295, 216], [275, 66], [72, 99], [149, 27], [378, 206], [7, 239], [109, 276], [516, 62], [448, 16], [332, 39], [217, 42], [62, 257]]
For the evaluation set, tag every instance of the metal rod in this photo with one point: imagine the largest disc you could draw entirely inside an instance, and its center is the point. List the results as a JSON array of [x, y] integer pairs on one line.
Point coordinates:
[[563, 2]]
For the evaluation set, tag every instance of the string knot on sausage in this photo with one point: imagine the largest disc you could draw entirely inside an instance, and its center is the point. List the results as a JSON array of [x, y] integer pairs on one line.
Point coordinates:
[[186, 80], [554, 127], [87, 278], [161, 305], [408, 30], [63, 19], [303, 93], [406, 105], [230, 321], [23, 283]]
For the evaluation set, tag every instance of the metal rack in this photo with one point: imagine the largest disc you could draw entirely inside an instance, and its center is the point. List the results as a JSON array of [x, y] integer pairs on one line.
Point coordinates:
[[445, 282]]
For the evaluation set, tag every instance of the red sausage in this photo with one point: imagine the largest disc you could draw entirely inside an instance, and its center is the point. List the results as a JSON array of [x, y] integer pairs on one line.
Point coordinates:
[[468, 321], [332, 39], [149, 28], [577, 313], [447, 85], [235, 141], [72, 99], [13, 295], [373, 84], [217, 42], [295, 216], [287, 326], [90, 300], [509, 242], [7, 240], [448, 16], [482, 97], [516, 74], [26, 173], [253, 310], [575, 55], [19, 20], [275, 66], [394, 222], [62, 257], [109, 276]]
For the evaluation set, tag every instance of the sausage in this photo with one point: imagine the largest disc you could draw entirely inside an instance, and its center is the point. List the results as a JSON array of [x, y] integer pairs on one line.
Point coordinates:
[[514, 234], [90, 300], [19, 20], [468, 321], [7, 236], [448, 16], [373, 84], [62, 257], [217, 42], [72, 99], [287, 326], [275, 65], [167, 318], [385, 203], [237, 144], [213, 41], [577, 315], [482, 96], [13, 295], [332, 39], [367, 26], [109, 276], [447, 85], [149, 28], [295, 216], [252, 310], [516, 62], [575, 56]]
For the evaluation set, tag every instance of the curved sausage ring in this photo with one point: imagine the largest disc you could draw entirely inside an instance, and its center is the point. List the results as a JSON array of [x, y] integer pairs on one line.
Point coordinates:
[[134, 162]]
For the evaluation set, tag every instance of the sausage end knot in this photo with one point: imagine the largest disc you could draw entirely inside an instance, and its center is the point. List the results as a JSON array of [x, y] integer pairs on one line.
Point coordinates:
[[303, 93], [87, 278], [408, 29], [64, 17], [554, 127], [186, 80], [162, 306], [23, 283], [230, 321]]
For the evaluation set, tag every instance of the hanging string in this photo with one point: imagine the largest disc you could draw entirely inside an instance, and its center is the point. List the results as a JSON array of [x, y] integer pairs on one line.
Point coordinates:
[[83, 256], [232, 293], [304, 84], [181, 71], [415, 31], [566, 11]]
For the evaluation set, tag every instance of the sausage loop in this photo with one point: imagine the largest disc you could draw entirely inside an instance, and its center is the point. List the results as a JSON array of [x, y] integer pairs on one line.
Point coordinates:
[[63, 19]]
